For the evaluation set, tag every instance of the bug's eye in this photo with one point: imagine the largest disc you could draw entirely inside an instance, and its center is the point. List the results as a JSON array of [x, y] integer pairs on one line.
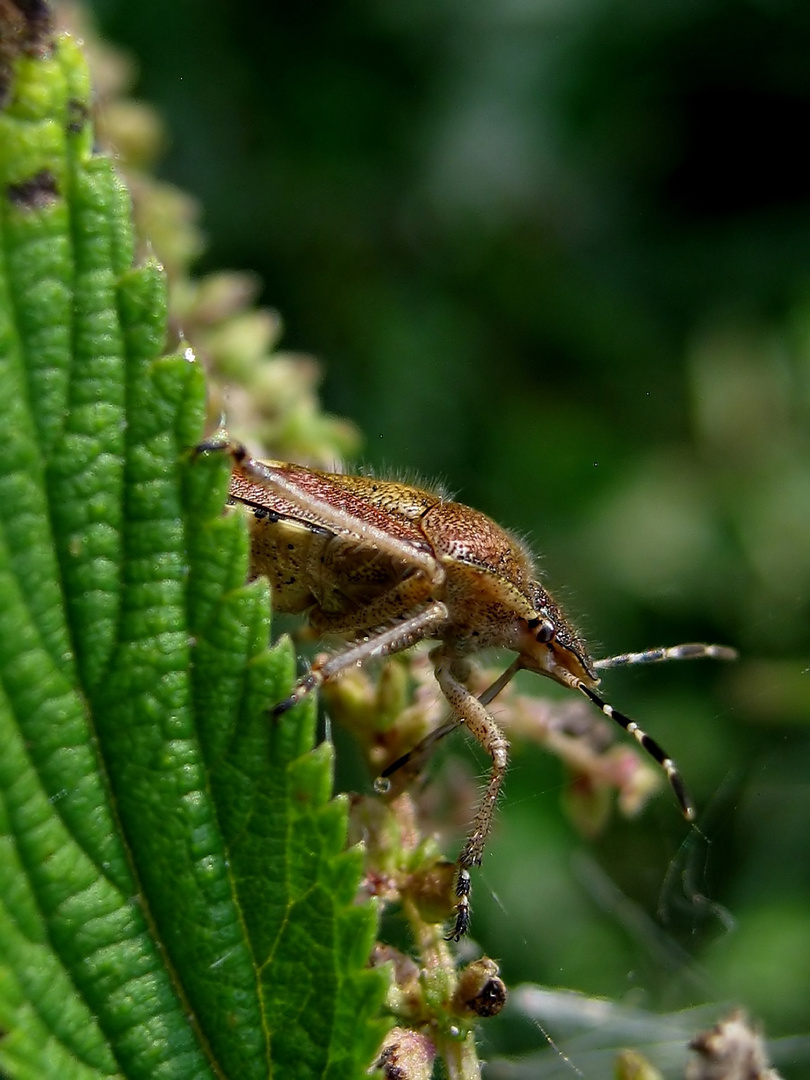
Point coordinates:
[[542, 629]]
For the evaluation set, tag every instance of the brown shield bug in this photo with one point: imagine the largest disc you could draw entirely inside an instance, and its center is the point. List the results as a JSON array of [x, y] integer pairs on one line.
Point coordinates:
[[387, 565]]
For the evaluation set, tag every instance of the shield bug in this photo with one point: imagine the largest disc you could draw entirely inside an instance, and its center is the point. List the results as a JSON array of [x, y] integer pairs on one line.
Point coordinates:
[[387, 565]]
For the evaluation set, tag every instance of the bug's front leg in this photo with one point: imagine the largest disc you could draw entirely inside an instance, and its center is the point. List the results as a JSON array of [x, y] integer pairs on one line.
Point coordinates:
[[470, 711]]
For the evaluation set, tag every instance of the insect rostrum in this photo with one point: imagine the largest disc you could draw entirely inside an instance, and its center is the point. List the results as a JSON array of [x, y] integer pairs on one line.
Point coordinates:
[[388, 565]]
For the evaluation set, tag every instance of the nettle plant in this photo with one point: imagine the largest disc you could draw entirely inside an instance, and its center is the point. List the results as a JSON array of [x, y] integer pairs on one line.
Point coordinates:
[[178, 895]]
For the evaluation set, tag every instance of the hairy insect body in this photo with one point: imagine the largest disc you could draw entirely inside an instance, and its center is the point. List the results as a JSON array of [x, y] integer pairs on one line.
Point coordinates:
[[388, 565], [481, 573]]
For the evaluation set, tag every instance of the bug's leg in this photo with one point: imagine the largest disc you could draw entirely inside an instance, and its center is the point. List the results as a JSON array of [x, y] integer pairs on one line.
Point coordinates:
[[410, 595], [223, 444], [503, 679], [472, 713], [394, 639], [424, 746], [420, 752]]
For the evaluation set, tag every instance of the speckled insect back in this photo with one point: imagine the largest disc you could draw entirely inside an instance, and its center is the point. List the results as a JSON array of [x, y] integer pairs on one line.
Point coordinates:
[[388, 565]]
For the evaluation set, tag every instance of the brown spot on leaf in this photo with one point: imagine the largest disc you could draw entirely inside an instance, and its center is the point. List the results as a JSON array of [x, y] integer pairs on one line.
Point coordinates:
[[78, 115], [36, 193]]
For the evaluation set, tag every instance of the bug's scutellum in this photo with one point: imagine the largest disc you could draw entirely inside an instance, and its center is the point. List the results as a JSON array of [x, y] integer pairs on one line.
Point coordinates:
[[388, 565]]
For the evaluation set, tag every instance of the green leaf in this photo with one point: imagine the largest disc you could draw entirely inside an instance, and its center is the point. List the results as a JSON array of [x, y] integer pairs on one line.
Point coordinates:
[[175, 898]]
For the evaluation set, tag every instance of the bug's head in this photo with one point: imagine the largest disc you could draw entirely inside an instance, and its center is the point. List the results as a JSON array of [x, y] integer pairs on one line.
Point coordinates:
[[550, 646]]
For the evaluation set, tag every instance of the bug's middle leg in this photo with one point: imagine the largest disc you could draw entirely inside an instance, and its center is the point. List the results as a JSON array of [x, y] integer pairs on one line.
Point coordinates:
[[473, 714]]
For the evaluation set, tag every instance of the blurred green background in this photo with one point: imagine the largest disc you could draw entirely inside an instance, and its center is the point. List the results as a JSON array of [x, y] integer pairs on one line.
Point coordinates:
[[558, 255]]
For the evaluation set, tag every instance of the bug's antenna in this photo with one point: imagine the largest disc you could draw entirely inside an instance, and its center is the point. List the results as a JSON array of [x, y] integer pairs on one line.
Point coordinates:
[[651, 746], [693, 650]]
